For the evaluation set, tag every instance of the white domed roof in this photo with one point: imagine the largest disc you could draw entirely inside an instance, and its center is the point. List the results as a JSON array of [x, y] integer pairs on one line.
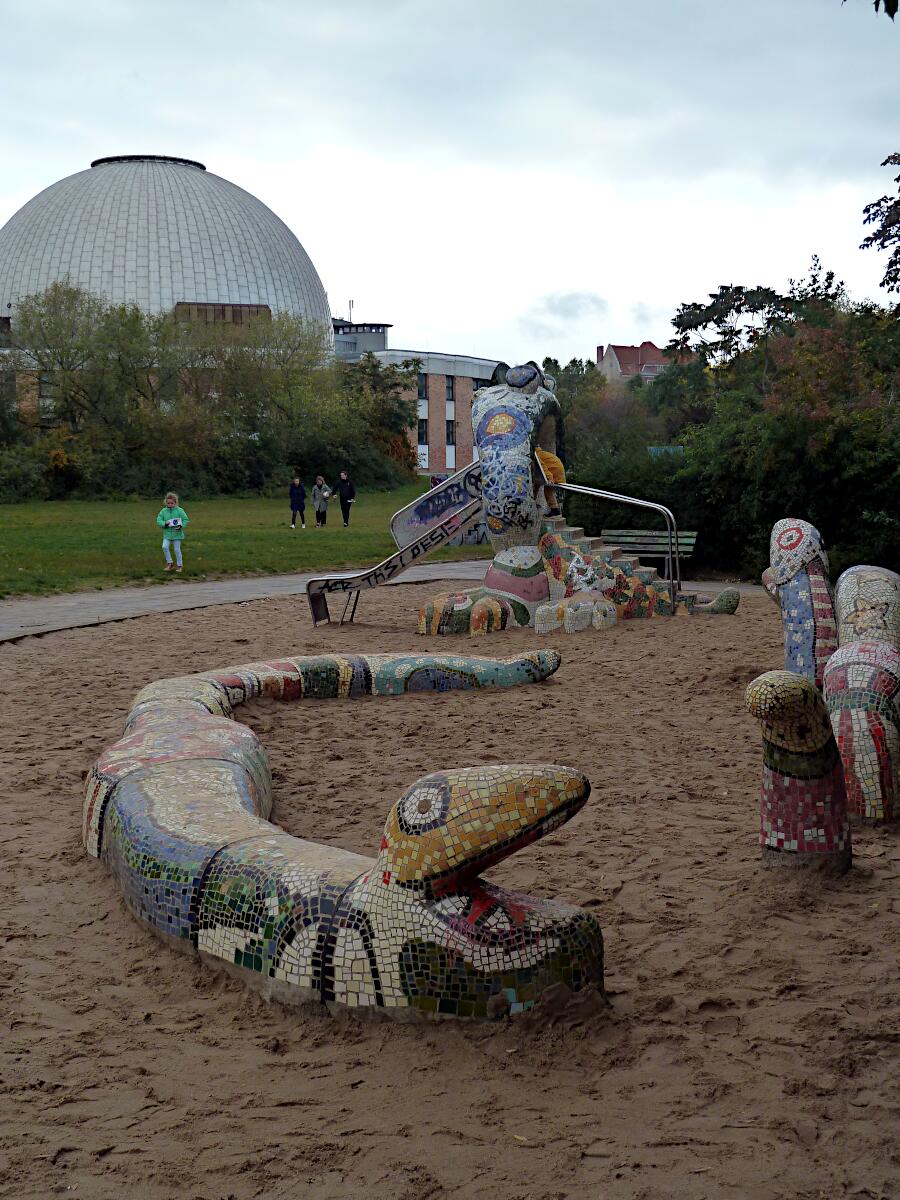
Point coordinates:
[[154, 231]]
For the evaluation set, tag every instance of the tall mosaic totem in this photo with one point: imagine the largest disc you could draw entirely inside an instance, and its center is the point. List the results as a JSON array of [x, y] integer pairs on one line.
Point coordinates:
[[862, 689], [797, 577], [177, 809], [537, 577], [847, 642], [803, 802]]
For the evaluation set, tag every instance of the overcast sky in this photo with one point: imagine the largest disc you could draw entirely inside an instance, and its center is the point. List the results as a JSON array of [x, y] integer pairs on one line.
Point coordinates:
[[507, 178]]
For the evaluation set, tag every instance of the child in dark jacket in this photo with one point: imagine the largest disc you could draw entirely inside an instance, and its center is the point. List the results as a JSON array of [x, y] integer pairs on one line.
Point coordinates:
[[298, 503]]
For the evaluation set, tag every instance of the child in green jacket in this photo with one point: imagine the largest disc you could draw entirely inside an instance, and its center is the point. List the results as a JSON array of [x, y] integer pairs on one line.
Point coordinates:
[[172, 520]]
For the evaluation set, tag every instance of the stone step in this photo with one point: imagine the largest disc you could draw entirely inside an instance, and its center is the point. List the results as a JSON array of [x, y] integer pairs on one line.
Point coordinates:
[[626, 563]]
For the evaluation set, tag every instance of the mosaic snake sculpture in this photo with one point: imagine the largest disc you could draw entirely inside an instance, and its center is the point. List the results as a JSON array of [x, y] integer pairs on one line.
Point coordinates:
[[844, 642], [537, 577], [177, 809]]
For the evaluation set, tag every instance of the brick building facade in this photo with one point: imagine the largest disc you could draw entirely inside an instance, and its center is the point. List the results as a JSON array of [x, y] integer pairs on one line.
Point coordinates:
[[446, 386]]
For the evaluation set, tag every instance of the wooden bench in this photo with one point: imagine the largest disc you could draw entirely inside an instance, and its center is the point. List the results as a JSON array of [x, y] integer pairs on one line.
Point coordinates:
[[649, 543]]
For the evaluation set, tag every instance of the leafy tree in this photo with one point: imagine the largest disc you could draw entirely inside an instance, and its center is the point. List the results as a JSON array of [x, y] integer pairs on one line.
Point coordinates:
[[132, 402], [885, 214], [382, 398], [890, 6]]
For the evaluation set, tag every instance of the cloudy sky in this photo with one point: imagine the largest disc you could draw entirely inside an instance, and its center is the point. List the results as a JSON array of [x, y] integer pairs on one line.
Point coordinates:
[[507, 178]]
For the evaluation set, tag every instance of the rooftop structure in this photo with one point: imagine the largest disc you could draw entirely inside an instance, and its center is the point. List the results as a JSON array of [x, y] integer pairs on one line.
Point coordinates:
[[157, 232], [625, 362]]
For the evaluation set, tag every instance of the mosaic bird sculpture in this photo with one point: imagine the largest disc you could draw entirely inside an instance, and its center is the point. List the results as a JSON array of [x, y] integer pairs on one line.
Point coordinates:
[[803, 801], [178, 808], [848, 643], [537, 578]]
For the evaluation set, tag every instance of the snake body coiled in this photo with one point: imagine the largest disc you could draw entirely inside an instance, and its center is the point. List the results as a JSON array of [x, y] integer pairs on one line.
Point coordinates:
[[177, 809]]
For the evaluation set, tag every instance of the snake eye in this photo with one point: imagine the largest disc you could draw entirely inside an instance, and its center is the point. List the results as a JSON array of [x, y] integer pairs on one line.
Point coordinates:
[[424, 806]]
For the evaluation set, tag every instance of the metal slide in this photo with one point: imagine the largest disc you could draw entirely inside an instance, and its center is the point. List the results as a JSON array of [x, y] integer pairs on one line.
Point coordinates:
[[437, 533], [449, 497], [434, 519]]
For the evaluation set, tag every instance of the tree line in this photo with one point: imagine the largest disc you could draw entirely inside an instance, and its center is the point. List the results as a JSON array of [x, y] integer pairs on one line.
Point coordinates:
[[98, 399], [775, 404]]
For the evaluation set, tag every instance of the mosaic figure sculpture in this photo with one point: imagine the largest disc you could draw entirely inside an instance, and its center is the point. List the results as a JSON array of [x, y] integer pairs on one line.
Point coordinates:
[[177, 809], [861, 679], [797, 577], [862, 690], [862, 694], [867, 604], [803, 803], [539, 578]]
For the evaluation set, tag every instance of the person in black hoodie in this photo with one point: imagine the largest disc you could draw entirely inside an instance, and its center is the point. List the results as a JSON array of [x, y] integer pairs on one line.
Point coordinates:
[[346, 492], [298, 503]]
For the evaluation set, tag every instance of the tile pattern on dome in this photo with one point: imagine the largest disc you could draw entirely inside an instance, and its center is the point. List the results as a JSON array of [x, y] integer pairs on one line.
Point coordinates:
[[803, 803], [177, 811]]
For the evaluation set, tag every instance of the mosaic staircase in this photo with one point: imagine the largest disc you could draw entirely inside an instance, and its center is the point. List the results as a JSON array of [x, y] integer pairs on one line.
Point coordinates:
[[629, 564]]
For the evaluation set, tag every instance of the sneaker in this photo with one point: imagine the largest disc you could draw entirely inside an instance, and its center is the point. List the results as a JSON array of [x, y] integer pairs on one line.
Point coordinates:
[[293, 527], [167, 567], [302, 526], [178, 570]]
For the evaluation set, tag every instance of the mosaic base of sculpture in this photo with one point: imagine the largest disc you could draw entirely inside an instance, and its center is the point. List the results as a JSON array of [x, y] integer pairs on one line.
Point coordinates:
[[538, 578], [177, 809], [847, 643], [803, 802]]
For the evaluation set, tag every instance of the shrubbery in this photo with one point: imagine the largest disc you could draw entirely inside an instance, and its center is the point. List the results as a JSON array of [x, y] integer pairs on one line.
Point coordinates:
[[112, 401], [790, 406]]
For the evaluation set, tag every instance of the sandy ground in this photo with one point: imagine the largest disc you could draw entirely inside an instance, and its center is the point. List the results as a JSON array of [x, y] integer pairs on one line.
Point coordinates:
[[750, 1047]]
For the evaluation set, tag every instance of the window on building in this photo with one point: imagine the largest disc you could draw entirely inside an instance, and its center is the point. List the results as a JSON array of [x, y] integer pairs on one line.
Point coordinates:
[[45, 397], [215, 314], [480, 383], [449, 387], [423, 431], [423, 386], [451, 433]]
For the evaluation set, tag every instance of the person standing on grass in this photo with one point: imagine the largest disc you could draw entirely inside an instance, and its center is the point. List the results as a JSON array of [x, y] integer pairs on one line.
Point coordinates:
[[346, 494], [172, 521], [298, 503], [320, 497]]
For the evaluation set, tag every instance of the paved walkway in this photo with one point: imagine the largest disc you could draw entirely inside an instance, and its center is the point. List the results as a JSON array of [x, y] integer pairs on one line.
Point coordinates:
[[23, 618]]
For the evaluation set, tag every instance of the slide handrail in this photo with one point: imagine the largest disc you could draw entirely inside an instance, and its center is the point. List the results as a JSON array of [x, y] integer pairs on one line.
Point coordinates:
[[672, 559]]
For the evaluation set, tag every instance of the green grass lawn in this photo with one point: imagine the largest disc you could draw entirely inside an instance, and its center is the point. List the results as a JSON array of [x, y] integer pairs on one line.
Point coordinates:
[[67, 546]]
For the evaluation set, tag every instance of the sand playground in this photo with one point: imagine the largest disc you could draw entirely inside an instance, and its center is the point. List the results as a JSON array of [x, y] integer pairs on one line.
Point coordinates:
[[750, 1044]]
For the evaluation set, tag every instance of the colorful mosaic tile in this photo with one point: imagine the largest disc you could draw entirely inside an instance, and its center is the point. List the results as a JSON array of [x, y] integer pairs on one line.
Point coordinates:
[[867, 604], [177, 810], [803, 802], [862, 693], [860, 680], [797, 578], [541, 576]]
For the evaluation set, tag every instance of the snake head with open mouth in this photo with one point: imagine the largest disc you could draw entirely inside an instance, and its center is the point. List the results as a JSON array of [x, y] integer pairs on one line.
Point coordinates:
[[446, 940]]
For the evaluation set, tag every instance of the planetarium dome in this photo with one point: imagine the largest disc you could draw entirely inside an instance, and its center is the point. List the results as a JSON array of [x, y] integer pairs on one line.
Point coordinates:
[[157, 231]]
